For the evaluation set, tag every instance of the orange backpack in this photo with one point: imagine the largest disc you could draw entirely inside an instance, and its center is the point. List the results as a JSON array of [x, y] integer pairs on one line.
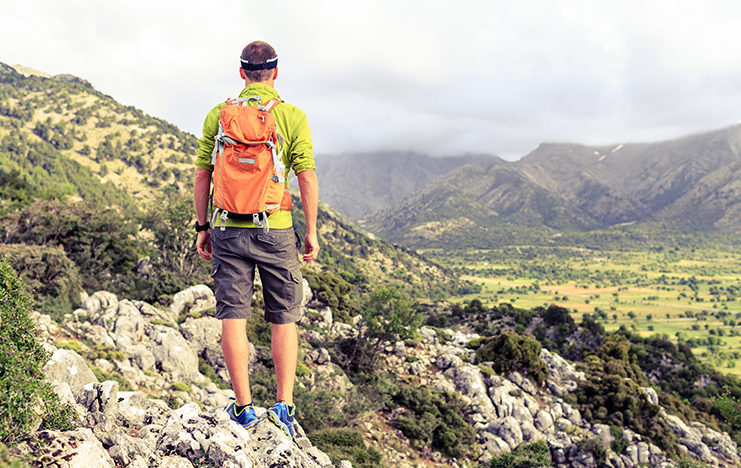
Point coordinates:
[[249, 175]]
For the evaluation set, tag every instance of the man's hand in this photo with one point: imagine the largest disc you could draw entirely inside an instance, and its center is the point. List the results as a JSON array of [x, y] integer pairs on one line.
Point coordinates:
[[203, 244], [311, 249]]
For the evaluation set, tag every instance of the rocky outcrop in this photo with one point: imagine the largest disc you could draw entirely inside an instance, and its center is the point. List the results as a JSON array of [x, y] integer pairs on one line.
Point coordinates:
[[150, 351], [156, 355], [141, 433], [508, 411]]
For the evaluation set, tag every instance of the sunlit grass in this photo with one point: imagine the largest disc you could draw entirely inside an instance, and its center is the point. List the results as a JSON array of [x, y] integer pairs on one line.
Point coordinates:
[[685, 295]]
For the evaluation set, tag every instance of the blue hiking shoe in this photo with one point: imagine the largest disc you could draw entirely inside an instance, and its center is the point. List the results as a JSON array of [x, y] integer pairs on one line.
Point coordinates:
[[246, 418], [281, 415]]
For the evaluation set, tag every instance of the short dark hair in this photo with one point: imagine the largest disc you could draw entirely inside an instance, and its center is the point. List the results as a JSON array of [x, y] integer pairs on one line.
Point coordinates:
[[258, 52]]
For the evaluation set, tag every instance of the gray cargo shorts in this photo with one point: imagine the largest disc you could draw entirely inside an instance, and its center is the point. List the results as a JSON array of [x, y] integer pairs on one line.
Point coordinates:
[[236, 253]]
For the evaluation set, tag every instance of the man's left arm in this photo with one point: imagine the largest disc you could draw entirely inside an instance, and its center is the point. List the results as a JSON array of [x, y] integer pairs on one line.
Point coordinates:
[[309, 187]]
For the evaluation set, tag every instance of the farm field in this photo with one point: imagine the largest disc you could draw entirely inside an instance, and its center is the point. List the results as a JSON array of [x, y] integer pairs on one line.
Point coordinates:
[[689, 295]]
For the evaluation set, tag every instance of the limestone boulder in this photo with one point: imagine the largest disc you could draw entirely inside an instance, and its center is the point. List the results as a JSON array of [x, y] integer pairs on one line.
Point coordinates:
[[72, 449], [470, 383], [173, 354], [195, 299], [66, 366]]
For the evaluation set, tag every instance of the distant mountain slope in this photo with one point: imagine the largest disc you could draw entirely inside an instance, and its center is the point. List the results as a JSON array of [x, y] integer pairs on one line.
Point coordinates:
[[361, 184], [691, 183], [59, 137], [640, 182]]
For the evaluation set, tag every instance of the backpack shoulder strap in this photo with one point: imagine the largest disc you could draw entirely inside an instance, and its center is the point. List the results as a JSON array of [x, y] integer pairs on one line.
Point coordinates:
[[243, 101], [268, 106]]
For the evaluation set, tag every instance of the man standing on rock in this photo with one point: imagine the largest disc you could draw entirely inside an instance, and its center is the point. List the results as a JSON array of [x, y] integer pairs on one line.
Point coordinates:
[[239, 246]]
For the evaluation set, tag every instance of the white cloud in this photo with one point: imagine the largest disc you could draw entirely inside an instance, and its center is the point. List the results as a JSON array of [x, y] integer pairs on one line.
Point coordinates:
[[430, 76]]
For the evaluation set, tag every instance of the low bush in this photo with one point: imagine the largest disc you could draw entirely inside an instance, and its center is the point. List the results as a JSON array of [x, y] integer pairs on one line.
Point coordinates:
[[49, 274], [730, 409], [510, 352], [24, 394], [9, 461], [333, 291], [347, 444], [102, 376], [434, 420], [207, 370], [324, 409], [596, 448], [182, 387], [535, 455], [691, 463]]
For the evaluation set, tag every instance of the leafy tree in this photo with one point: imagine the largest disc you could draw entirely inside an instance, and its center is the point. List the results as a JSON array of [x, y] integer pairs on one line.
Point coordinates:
[[386, 316], [101, 242], [175, 261], [13, 185]]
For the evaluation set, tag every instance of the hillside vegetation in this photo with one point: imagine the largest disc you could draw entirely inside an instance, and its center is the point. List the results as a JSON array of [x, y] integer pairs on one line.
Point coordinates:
[[60, 138]]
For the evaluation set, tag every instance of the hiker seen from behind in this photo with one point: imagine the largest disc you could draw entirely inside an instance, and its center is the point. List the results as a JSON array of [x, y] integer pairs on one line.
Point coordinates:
[[249, 146]]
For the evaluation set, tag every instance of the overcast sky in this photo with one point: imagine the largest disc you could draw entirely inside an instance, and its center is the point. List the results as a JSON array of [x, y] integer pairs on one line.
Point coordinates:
[[434, 77]]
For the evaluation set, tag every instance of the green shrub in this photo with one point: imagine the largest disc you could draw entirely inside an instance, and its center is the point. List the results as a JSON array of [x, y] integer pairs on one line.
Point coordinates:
[[535, 455], [93, 352], [618, 444], [346, 444], [596, 448], [302, 370], [387, 315], [729, 407], [434, 420], [510, 352], [612, 394], [206, 369], [49, 274], [182, 387], [102, 376], [691, 463], [23, 390], [333, 291], [8, 461], [474, 343], [324, 409]]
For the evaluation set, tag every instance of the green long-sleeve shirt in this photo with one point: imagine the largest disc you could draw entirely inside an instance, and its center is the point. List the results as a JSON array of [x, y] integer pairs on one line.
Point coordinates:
[[298, 153]]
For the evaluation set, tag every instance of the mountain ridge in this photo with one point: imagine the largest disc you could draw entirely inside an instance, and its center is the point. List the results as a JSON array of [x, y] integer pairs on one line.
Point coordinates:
[[359, 184], [688, 183]]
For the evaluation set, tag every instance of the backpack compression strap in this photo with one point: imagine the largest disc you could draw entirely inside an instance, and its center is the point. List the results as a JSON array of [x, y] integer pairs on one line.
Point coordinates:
[[280, 169]]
